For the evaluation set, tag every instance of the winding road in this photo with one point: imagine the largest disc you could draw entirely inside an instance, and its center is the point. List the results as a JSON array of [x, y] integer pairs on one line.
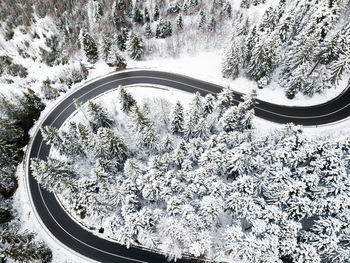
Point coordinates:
[[60, 225]]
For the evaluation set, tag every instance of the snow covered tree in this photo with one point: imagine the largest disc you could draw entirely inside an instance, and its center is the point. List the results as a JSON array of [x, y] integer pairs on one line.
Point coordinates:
[[97, 116], [339, 67], [97, 11], [239, 118], [156, 13], [146, 15], [209, 103], [179, 22], [263, 59], [106, 48], [122, 38], [245, 3], [148, 139], [89, 46], [53, 175], [9, 132], [148, 31], [137, 16], [134, 46], [118, 61], [177, 119], [110, 146], [138, 120], [212, 24], [163, 29], [234, 58], [201, 20], [126, 100], [22, 247], [8, 163]]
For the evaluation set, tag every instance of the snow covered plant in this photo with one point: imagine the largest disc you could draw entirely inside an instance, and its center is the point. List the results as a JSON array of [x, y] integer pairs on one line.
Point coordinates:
[[197, 179]]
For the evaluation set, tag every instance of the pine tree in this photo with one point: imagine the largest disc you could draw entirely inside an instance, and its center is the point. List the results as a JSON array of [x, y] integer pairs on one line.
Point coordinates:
[[97, 116], [9, 132], [252, 39], [201, 20], [148, 139], [51, 136], [264, 59], [126, 100], [106, 48], [21, 247], [98, 11], [137, 17], [156, 13], [179, 22], [163, 29], [245, 3], [53, 175], [119, 9], [212, 24], [340, 67], [134, 46], [8, 163], [234, 58], [119, 62], [228, 9], [110, 146], [138, 119], [209, 103], [148, 31], [177, 119], [122, 38], [179, 153], [89, 46], [146, 15]]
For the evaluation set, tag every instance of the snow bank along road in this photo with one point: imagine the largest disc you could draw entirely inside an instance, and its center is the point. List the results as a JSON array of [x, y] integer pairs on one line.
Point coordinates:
[[70, 233]]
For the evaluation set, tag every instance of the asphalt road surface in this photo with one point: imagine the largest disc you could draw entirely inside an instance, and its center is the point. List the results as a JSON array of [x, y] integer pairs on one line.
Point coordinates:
[[70, 233]]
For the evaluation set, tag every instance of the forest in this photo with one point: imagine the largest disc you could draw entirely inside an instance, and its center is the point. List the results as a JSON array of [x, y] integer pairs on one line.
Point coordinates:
[[199, 180]]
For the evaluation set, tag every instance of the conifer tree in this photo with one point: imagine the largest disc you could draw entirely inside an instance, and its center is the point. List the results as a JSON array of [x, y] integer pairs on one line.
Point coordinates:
[[134, 46], [53, 175], [209, 103], [97, 116], [106, 49], [201, 20], [8, 163], [263, 60], [89, 46], [21, 247], [179, 22], [148, 31], [110, 146], [177, 119], [98, 11], [163, 29], [339, 67], [119, 62], [212, 24], [9, 132], [233, 58], [156, 13], [146, 15], [126, 100], [51, 136], [137, 16], [148, 139], [122, 38], [138, 119]]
